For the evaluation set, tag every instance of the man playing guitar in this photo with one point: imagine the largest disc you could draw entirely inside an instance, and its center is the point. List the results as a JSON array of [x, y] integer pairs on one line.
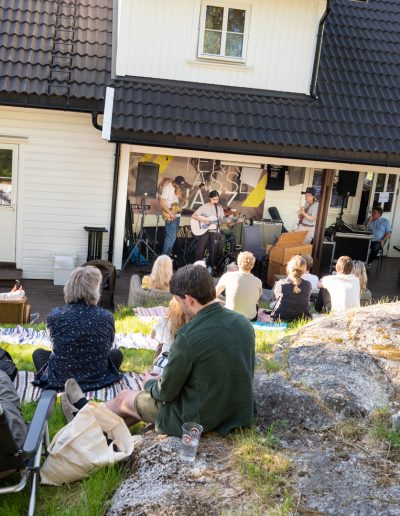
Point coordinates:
[[172, 196], [212, 237]]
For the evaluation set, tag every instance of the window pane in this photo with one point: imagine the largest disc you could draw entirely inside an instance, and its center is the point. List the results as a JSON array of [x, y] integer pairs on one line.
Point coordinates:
[[5, 163], [5, 193], [236, 19], [380, 183], [5, 177], [212, 42], [336, 199], [214, 17], [234, 45], [391, 183]]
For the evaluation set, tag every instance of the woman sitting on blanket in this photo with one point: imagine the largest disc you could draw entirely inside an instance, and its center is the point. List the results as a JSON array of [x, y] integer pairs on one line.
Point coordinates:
[[160, 275], [292, 293], [164, 333], [82, 335]]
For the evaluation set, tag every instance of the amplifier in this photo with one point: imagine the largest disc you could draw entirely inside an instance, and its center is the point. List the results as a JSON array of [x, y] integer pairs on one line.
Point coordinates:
[[328, 251], [270, 231], [355, 246]]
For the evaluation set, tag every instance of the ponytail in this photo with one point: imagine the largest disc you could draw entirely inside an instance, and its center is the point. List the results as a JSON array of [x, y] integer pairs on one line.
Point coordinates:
[[296, 267]]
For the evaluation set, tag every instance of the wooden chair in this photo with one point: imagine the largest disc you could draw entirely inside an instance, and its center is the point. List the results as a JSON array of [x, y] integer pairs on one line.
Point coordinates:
[[14, 311]]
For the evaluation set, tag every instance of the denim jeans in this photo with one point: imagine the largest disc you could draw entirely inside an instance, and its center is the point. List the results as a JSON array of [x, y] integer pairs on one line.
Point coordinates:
[[171, 230], [374, 250]]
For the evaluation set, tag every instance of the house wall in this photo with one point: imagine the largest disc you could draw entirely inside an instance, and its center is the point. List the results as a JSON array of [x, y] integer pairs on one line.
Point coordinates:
[[159, 39], [65, 179]]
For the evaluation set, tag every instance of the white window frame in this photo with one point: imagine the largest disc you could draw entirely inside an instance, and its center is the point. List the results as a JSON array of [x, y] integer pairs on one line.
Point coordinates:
[[226, 6]]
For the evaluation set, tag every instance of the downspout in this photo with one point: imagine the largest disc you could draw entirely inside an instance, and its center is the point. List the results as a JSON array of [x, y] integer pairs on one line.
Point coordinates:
[[317, 57], [117, 156]]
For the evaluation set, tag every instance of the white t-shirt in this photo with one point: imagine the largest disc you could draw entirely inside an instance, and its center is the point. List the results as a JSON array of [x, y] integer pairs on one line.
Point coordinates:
[[344, 290], [312, 278], [169, 196], [242, 292]]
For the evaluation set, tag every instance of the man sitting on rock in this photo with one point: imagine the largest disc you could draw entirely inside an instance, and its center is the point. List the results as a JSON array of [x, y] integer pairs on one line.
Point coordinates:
[[341, 291], [209, 375]]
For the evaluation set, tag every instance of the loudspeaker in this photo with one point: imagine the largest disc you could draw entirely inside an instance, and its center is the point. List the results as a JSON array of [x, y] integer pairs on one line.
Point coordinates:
[[328, 251], [347, 183], [147, 179]]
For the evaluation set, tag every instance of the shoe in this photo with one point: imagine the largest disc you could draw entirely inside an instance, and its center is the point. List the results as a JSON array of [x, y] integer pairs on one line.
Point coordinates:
[[73, 392], [68, 409]]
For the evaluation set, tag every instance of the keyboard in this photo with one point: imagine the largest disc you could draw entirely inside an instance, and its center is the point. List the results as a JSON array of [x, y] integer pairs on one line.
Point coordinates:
[[343, 227]]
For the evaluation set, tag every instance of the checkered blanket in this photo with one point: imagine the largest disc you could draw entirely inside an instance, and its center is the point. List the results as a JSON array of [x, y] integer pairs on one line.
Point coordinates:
[[28, 392], [149, 314]]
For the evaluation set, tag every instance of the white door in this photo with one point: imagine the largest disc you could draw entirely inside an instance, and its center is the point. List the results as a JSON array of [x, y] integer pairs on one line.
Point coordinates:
[[8, 199], [383, 194]]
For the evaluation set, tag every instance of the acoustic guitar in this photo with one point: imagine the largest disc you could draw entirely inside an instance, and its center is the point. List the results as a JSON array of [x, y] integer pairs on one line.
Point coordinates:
[[199, 228]]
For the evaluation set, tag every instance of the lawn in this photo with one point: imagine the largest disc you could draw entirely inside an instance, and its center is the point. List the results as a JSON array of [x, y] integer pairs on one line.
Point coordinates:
[[92, 495]]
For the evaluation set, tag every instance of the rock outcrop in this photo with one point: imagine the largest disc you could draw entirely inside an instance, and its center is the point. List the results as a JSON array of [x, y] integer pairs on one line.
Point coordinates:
[[337, 369]]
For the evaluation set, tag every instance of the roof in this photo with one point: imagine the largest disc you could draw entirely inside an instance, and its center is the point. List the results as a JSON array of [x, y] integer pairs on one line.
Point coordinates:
[[55, 53], [355, 118]]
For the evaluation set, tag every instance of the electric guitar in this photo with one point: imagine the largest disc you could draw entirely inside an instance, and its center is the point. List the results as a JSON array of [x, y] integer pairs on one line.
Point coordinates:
[[199, 228], [175, 208]]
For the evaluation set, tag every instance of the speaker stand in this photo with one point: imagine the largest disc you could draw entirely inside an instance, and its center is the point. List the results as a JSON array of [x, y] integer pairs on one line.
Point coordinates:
[[140, 240]]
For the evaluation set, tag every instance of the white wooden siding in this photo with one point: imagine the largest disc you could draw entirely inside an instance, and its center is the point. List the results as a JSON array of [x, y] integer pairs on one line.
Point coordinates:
[[65, 183], [158, 38]]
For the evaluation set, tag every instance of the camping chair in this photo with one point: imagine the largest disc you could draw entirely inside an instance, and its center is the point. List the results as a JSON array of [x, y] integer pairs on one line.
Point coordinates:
[[27, 459], [109, 274], [14, 311]]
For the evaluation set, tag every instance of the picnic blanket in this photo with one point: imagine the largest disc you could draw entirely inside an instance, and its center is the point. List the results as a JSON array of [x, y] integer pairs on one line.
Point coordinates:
[[20, 335], [151, 313], [28, 392]]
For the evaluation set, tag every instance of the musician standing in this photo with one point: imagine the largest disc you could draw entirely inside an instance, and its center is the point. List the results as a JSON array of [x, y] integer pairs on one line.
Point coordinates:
[[207, 214], [171, 199], [308, 214]]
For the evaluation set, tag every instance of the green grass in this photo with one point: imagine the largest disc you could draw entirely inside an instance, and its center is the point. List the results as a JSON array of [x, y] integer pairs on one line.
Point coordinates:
[[262, 468], [381, 428]]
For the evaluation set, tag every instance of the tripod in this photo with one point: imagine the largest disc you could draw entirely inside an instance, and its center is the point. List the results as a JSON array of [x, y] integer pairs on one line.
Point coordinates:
[[140, 240]]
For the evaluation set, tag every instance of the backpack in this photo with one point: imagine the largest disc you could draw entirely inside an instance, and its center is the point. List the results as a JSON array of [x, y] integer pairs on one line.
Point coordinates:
[[7, 364]]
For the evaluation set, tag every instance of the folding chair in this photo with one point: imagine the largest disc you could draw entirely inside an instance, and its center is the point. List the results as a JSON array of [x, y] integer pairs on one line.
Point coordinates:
[[26, 460]]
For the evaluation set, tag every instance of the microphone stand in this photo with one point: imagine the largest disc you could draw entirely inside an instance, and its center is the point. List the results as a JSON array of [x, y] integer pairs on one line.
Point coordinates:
[[217, 235]]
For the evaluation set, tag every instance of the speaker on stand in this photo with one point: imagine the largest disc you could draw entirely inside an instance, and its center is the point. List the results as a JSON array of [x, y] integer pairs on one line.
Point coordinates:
[[347, 183], [147, 179]]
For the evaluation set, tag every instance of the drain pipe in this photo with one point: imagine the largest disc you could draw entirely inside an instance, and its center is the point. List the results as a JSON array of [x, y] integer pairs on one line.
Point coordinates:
[[117, 156], [317, 57]]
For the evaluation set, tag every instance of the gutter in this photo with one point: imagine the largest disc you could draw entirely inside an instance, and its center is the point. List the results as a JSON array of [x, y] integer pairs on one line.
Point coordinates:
[[117, 156], [317, 57]]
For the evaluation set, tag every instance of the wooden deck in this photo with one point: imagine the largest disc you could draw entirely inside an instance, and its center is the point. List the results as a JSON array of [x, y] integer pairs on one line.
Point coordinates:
[[43, 295]]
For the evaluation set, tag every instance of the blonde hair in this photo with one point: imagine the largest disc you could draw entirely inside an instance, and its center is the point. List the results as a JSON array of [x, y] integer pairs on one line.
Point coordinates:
[[246, 261], [295, 268], [83, 285], [161, 273], [361, 273], [344, 265], [176, 317]]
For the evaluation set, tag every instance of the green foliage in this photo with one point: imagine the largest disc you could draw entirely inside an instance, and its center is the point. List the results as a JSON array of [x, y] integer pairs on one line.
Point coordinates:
[[271, 366]]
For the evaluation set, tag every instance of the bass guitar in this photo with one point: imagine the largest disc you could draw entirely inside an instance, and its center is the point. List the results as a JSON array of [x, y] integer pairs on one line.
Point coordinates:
[[199, 228]]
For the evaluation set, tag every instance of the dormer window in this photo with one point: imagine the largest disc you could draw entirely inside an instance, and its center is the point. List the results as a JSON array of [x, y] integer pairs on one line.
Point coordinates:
[[223, 31]]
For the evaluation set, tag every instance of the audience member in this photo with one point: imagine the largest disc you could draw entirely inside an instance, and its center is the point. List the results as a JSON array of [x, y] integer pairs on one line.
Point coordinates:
[[312, 278], [10, 407], [381, 231], [343, 289], [242, 289], [361, 273], [209, 376], [292, 293], [161, 274], [164, 332], [82, 334]]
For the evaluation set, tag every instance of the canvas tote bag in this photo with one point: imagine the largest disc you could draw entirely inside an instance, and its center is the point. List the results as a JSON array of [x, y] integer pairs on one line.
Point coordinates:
[[81, 446]]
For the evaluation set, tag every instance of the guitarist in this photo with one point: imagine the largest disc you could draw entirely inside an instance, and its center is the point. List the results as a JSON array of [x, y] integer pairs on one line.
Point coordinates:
[[172, 195], [212, 237]]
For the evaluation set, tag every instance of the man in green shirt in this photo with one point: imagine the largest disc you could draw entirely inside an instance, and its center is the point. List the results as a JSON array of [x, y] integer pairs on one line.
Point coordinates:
[[209, 375]]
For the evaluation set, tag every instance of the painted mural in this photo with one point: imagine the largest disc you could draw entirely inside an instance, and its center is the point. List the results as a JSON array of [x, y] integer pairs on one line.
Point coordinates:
[[241, 188]]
